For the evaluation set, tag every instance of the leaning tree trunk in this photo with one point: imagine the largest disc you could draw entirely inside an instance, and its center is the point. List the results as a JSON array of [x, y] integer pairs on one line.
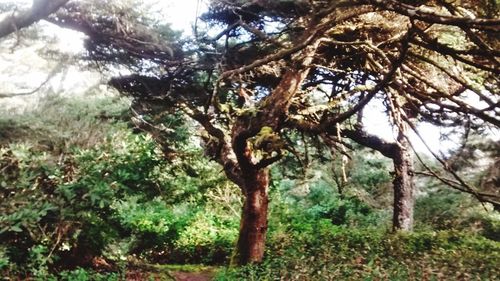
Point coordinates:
[[253, 225], [404, 187]]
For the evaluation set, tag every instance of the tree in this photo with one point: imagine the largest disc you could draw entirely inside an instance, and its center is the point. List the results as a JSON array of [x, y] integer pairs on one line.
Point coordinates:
[[306, 66]]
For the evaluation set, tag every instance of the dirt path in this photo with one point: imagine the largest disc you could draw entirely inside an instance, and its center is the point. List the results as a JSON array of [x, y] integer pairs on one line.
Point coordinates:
[[171, 272], [205, 275]]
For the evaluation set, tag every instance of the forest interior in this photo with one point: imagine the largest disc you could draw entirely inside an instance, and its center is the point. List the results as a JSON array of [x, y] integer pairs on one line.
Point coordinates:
[[256, 140]]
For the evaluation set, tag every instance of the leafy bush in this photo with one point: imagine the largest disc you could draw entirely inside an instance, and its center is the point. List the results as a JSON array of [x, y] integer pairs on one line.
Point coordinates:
[[61, 123], [441, 209], [4, 259], [147, 217], [80, 274], [445, 209], [63, 214], [371, 172], [207, 239]]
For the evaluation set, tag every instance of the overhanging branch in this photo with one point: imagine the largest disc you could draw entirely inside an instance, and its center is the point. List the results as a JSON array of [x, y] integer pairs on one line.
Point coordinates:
[[39, 10]]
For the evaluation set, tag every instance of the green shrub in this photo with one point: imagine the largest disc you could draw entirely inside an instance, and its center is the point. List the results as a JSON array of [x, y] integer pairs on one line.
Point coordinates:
[[147, 217], [122, 190], [80, 274], [445, 209], [4, 259], [207, 239], [338, 253], [442, 210], [490, 225]]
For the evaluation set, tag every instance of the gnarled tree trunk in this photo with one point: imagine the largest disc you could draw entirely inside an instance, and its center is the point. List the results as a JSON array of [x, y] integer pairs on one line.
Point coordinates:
[[253, 225]]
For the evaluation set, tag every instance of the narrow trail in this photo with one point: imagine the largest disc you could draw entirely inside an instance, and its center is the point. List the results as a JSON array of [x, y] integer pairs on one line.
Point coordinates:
[[171, 273], [205, 275]]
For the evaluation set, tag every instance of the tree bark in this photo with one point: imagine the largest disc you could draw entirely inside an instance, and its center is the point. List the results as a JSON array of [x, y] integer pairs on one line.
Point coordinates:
[[404, 188], [253, 225]]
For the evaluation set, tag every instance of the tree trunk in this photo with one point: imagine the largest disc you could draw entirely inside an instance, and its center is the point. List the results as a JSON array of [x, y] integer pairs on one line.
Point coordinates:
[[404, 187], [403, 172], [253, 225]]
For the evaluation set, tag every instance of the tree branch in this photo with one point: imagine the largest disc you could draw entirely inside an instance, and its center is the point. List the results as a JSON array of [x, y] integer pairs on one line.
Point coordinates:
[[374, 142], [49, 77], [39, 10], [430, 16]]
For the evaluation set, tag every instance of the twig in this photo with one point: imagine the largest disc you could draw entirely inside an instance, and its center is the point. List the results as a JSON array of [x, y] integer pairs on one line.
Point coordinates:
[[54, 71]]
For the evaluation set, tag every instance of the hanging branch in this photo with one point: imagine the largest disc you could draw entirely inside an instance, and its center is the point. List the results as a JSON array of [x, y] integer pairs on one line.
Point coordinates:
[[386, 78], [491, 52], [51, 75], [459, 181], [430, 43], [481, 196], [461, 106]]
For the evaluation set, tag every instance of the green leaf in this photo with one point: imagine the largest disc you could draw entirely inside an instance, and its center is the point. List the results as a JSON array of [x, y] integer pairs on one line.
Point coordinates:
[[16, 228]]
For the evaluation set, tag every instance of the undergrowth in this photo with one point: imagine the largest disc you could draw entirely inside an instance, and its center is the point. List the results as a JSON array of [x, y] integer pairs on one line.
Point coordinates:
[[339, 253]]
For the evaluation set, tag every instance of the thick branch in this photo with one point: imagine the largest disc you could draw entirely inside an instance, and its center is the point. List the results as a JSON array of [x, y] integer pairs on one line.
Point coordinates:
[[39, 10], [374, 142]]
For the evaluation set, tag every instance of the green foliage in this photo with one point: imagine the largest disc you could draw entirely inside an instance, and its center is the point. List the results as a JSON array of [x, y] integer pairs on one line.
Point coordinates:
[[116, 199], [338, 253], [80, 274], [444, 209], [440, 209], [149, 217], [59, 123], [490, 224], [39, 261], [4, 259], [298, 204], [371, 172], [207, 239]]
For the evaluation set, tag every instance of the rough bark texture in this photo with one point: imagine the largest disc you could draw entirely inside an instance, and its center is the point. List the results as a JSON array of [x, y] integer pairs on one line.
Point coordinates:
[[253, 225], [404, 188]]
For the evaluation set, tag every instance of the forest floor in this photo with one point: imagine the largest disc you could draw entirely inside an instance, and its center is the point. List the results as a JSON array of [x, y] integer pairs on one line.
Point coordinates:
[[193, 276], [172, 273]]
